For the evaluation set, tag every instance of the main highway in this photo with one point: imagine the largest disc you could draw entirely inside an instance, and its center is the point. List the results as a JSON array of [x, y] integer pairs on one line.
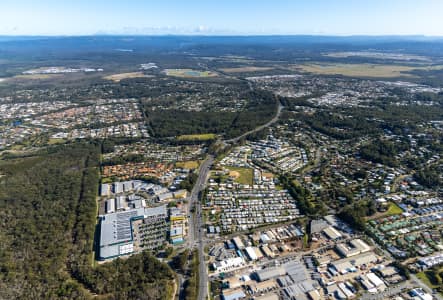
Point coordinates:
[[196, 222], [196, 230]]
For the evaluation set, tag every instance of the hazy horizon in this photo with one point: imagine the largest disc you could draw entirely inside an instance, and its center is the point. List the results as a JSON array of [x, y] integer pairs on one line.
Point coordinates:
[[198, 17]]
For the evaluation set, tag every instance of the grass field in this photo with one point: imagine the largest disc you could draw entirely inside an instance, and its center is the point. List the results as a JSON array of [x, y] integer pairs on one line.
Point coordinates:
[[121, 76], [427, 278], [394, 209], [245, 69], [242, 175], [56, 141], [192, 164], [363, 70], [189, 73], [197, 137]]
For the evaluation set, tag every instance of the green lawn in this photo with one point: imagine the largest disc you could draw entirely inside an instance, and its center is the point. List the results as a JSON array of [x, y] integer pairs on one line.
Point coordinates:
[[56, 141], [278, 187], [427, 278], [246, 175], [394, 209]]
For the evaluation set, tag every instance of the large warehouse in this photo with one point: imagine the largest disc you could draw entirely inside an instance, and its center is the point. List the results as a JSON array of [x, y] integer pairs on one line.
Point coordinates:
[[116, 238]]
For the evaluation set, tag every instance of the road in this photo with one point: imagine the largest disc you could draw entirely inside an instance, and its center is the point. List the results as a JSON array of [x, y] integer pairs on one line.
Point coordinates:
[[196, 222], [196, 230], [199, 186], [272, 121], [195, 235]]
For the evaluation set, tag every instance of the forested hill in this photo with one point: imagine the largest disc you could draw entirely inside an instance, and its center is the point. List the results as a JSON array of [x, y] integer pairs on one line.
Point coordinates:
[[47, 220]]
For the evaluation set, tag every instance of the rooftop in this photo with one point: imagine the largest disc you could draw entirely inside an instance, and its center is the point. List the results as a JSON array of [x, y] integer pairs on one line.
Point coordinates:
[[115, 228]]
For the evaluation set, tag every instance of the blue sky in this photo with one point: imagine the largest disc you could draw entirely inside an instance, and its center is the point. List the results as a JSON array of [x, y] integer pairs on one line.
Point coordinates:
[[329, 17]]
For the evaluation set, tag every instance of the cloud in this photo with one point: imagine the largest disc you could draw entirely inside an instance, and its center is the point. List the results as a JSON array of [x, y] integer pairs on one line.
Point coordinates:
[[164, 30]]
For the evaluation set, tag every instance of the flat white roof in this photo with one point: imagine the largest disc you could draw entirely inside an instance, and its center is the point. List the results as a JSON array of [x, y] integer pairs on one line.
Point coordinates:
[[115, 228]]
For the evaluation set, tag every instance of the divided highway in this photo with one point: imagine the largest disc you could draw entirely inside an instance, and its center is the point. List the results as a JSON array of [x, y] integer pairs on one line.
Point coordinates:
[[195, 235], [196, 222]]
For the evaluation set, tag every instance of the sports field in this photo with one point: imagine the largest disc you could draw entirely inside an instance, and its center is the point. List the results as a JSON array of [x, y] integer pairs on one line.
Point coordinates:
[[241, 175]]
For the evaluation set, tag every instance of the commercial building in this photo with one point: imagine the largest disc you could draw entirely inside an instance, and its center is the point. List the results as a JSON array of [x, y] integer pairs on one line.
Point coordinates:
[[332, 233], [238, 243], [349, 264], [251, 253], [262, 287], [420, 295], [228, 264], [116, 231], [234, 294], [352, 248], [375, 280], [269, 273]]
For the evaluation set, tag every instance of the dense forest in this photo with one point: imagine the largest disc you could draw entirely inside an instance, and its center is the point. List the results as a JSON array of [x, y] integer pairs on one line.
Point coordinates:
[[429, 177], [306, 202], [383, 151], [356, 213], [261, 107], [48, 217], [340, 126]]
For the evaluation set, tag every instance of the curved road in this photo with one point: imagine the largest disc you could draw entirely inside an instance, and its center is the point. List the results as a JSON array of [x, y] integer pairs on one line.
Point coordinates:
[[272, 121]]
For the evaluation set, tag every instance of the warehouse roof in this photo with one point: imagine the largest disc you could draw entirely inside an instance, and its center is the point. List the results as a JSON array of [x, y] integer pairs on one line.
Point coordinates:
[[332, 233], [272, 296], [358, 260], [115, 228], [233, 294], [269, 273]]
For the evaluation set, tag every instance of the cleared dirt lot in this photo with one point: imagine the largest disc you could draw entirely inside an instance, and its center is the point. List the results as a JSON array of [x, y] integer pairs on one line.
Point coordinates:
[[121, 76]]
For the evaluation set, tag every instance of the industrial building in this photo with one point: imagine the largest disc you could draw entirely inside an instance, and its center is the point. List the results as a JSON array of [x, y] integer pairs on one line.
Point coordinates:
[[228, 264], [116, 231], [233, 294], [349, 264], [269, 273], [332, 233], [238, 243], [352, 248]]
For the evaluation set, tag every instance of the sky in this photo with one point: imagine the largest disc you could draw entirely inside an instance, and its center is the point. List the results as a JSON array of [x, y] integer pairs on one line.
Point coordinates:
[[221, 17]]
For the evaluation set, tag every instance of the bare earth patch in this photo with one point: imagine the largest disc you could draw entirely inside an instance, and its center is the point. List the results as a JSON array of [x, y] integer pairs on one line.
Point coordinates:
[[121, 76], [37, 76], [234, 174]]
